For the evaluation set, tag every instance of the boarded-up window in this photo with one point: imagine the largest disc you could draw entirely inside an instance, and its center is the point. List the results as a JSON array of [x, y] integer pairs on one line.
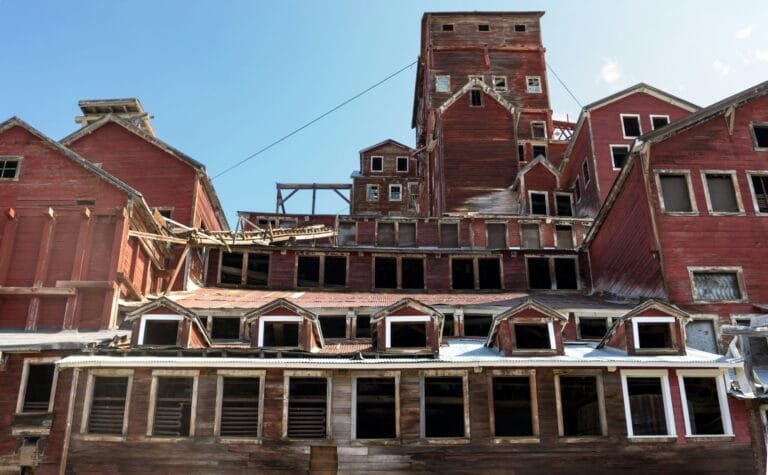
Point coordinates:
[[160, 332], [716, 286], [463, 274], [761, 135], [530, 236], [497, 235], [173, 407], [347, 234], [564, 236], [704, 413], [385, 234], [412, 273], [449, 235], [335, 272], [512, 408], [532, 336], [631, 125], [722, 195], [646, 406], [107, 405], [239, 407], [385, 272], [538, 273], [258, 269], [231, 268], [443, 83], [674, 189], [477, 325], [308, 271], [565, 273], [760, 187], [700, 334], [619, 154], [564, 205], [539, 203], [307, 408], [225, 328], [408, 334], [443, 407], [376, 409], [37, 394], [281, 334], [406, 234], [489, 273], [333, 326], [580, 408]]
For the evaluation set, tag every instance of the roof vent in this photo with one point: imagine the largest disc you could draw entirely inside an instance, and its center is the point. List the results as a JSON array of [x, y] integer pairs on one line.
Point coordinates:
[[127, 109]]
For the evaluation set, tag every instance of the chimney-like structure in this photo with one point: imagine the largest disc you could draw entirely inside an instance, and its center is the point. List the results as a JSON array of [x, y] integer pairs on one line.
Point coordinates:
[[127, 109]]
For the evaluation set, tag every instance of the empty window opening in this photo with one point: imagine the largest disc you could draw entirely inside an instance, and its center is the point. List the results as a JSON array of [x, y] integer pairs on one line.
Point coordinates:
[[477, 325], [761, 135], [225, 328], [713, 286], [402, 164], [307, 408], [539, 151], [9, 168], [463, 275], [231, 268], [443, 83], [564, 236], [521, 153], [655, 335], [444, 407], [499, 83], [532, 336], [448, 325], [703, 402], [580, 406], [577, 189], [240, 407], [335, 271], [334, 326], [530, 236], [107, 405], [585, 172], [593, 328], [483, 27], [448, 27], [631, 126], [619, 155], [395, 192], [538, 130], [449, 235], [533, 84], [160, 332], [497, 235], [565, 274], [258, 270], [646, 406], [674, 190], [37, 393], [372, 193], [564, 205], [377, 164], [376, 408], [165, 212], [760, 188], [722, 195], [406, 234], [385, 234], [308, 271], [385, 272], [281, 334], [363, 327], [489, 273], [700, 334], [173, 407], [659, 121], [408, 334], [347, 234], [476, 98], [412, 273], [538, 273], [512, 406], [539, 203], [519, 27]]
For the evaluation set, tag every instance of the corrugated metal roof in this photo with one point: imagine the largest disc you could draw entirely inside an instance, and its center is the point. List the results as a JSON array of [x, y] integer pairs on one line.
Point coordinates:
[[61, 340]]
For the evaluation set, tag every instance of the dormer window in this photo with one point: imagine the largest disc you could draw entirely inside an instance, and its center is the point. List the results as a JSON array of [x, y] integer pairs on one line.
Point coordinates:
[[407, 332], [654, 333], [281, 332], [159, 330], [534, 336]]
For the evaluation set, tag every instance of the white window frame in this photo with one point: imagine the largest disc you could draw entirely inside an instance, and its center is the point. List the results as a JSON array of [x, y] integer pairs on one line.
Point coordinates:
[[422, 401], [570, 198], [754, 135], [658, 116], [368, 189], [156, 317], [750, 174], [641, 320], [501, 373], [738, 270], [401, 319], [382, 163], [533, 89], [233, 373], [499, 88], [600, 403], [544, 127], [12, 158], [397, 162], [550, 333], [25, 379], [399, 194], [375, 375], [687, 174], [530, 202], [287, 375], [669, 414], [736, 191], [613, 146], [440, 78], [722, 398], [90, 385], [639, 126], [285, 318], [161, 373]]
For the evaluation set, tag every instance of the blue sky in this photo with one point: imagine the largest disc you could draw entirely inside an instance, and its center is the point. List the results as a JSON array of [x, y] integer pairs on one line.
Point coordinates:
[[223, 79]]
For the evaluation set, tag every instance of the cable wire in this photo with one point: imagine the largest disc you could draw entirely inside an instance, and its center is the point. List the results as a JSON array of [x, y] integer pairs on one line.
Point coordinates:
[[563, 84]]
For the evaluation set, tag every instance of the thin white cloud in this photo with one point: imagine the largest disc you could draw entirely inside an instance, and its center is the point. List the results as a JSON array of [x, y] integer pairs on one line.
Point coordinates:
[[610, 72], [721, 68], [744, 33], [762, 55]]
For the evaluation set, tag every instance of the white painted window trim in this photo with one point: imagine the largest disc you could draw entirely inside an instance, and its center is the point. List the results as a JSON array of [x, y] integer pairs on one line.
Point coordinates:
[[254, 374], [530, 202], [368, 189], [570, 198], [25, 379], [422, 400], [738, 270], [90, 385], [750, 174], [263, 320], [611, 147], [533, 89], [153, 399], [438, 79], [500, 88], [400, 194], [14, 158], [382, 163], [639, 126], [658, 116], [666, 395], [401, 319], [641, 320], [722, 398], [736, 191], [544, 127], [397, 162], [375, 375], [550, 333], [691, 197], [158, 317], [754, 135]]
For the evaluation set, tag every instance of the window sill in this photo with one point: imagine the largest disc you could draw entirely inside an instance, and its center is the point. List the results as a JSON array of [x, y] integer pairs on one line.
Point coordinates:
[[516, 440], [680, 213], [582, 440], [705, 302], [30, 431], [651, 439], [100, 437], [163, 438], [447, 441], [364, 442], [711, 438], [239, 440], [727, 213]]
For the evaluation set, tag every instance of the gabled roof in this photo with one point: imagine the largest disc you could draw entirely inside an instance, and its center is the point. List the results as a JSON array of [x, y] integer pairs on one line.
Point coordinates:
[[650, 304], [540, 160], [476, 83], [277, 303], [165, 302], [525, 305], [647, 89], [406, 302], [386, 142]]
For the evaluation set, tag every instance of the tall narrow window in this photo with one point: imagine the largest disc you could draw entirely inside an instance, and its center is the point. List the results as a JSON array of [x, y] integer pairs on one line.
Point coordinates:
[[631, 126], [564, 204], [565, 273], [38, 387], [402, 164], [385, 234], [674, 191], [476, 98], [231, 268], [239, 407], [539, 205], [377, 163], [512, 406], [395, 192], [462, 273], [449, 235], [646, 406], [107, 411], [335, 271], [412, 271], [619, 154], [363, 326], [347, 233], [579, 406], [385, 272], [760, 133], [406, 234], [375, 408], [258, 270], [585, 172], [577, 189], [308, 271], [721, 193], [489, 273], [564, 236], [173, 407], [538, 273], [443, 410], [372, 193], [760, 190], [307, 408], [521, 153]]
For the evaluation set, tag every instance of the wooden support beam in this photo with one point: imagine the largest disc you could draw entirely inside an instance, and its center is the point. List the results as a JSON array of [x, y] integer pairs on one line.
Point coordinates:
[[41, 269], [156, 237], [85, 284], [342, 196], [79, 266], [176, 271], [314, 186], [314, 199], [38, 291], [119, 243], [125, 281], [6, 247]]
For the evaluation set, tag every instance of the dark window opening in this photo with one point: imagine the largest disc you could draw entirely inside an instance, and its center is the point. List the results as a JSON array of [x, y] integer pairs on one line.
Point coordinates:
[[376, 411], [225, 328], [619, 156], [704, 414], [231, 268], [408, 334], [592, 328], [512, 408], [385, 234], [281, 334], [9, 169], [631, 126], [538, 273], [539, 151], [564, 205], [161, 332], [659, 122], [532, 336], [722, 195], [173, 407], [363, 327], [580, 406], [500, 83], [521, 153], [307, 408], [497, 235], [483, 27], [476, 98], [646, 405], [448, 27], [538, 131], [489, 273], [449, 235], [577, 189], [538, 203], [674, 189], [444, 407], [412, 273], [258, 270], [448, 326], [334, 326], [462, 273], [716, 286], [565, 274], [477, 325], [385, 272], [585, 172], [335, 273], [165, 212], [519, 27], [107, 405], [308, 271], [402, 164], [239, 407], [760, 186], [37, 395], [531, 238], [406, 234], [347, 234], [564, 236], [761, 135], [377, 164], [654, 335]]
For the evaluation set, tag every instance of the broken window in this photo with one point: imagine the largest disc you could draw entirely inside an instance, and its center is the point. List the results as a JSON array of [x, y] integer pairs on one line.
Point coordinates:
[[9, 168], [443, 83], [564, 236], [231, 268], [489, 273], [499, 83], [308, 271], [538, 273], [580, 407], [38, 387], [412, 272], [483, 27], [173, 407], [377, 164], [497, 235], [307, 408], [713, 286], [539, 203], [239, 407], [385, 272], [654, 335], [619, 154], [395, 192], [512, 407], [539, 151], [674, 191], [448, 27], [375, 408], [565, 273], [385, 234], [225, 328], [372, 193], [530, 236], [631, 126], [564, 204], [593, 328], [585, 172], [107, 405], [363, 326], [406, 234], [449, 235], [477, 325], [347, 233], [443, 407], [533, 84], [760, 189], [722, 194], [333, 326], [532, 336], [700, 334], [519, 27], [702, 401], [659, 121], [160, 331], [280, 334], [462, 273], [335, 271], [476, 98], [521, 152], [760, 132], [258, 270], [646, 406], [402, 164], [538, 130]]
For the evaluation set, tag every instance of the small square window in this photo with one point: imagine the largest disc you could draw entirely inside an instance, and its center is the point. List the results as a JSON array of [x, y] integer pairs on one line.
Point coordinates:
[[442, 83], [519, 27], [533, 84], [659, 121], [499, 83], [539, 204], [539, 151], [564, 204], [631, 126], [716, 286], [483, 27], [9, 168], [538, 130], [585, 172], [476, 98], [402, 164], [377, 164], [760, 132], [448, 27], [619, 154], [372, 193], [395, 193], [476, 77]]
